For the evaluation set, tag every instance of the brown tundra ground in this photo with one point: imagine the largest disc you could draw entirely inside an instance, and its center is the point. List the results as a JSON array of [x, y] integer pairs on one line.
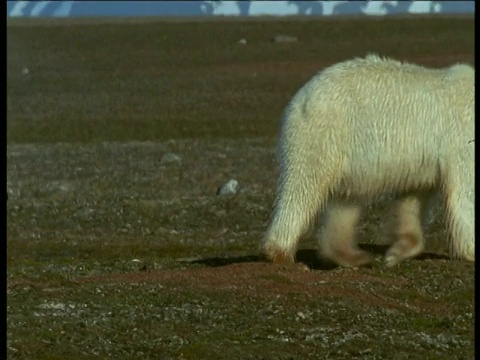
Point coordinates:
[[113, 253]]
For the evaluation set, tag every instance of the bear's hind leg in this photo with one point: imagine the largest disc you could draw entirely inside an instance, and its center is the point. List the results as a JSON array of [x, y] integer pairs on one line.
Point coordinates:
[[294, 214], [337, 238], [299, 201]]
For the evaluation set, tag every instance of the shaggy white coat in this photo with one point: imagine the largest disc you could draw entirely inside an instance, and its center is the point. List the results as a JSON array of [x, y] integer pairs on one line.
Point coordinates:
[[369, 126]]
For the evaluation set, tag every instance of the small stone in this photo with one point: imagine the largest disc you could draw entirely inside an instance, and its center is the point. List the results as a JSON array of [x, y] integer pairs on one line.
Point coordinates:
[[231, 187], [25, 71], [242, 41], [279, 38], [170, 158]]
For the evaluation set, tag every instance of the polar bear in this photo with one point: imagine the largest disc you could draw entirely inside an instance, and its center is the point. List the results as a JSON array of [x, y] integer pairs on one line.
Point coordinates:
[[367, 127]]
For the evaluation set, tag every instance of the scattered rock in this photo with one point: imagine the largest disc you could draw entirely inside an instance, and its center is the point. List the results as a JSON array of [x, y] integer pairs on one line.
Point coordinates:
[[231, 187], [25, 71], [141, 265], [279, 38], [169, 158], [190, 259], [63, 186], [242, 41]]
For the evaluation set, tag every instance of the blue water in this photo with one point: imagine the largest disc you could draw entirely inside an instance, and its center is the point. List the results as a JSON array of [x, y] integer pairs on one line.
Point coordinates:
[[233, 8]]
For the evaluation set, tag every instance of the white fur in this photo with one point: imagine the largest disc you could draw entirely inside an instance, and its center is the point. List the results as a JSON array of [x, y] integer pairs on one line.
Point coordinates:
[[369, 126]]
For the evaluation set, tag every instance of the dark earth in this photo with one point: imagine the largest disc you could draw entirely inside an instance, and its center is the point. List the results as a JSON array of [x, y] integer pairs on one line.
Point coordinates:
[[113, 253]]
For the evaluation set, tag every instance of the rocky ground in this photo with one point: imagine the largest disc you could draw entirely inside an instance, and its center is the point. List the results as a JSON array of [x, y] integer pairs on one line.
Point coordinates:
[[120, 244]]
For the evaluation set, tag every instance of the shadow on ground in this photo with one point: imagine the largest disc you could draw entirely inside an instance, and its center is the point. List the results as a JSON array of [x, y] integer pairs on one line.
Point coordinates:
[[309, 257]]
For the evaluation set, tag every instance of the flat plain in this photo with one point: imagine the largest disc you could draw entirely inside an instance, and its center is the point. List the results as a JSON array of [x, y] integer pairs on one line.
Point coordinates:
[[114, 252]]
